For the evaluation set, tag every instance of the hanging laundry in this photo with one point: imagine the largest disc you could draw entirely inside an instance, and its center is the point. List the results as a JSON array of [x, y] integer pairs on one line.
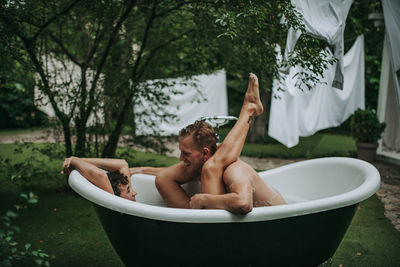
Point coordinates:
[[301, 112], [326, 20]]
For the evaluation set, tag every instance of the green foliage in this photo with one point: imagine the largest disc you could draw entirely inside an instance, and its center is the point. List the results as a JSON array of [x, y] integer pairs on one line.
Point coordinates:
[[32, 159], [10, 250], [365, 126], [17, 108]]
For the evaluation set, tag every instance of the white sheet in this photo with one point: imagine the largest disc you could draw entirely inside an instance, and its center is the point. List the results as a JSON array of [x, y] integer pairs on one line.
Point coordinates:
[[324, 19], [186, 105], [297, 113], [391, 12]]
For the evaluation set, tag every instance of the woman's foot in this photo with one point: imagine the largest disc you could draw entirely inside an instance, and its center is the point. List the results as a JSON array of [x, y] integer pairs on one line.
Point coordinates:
[[252, 100]]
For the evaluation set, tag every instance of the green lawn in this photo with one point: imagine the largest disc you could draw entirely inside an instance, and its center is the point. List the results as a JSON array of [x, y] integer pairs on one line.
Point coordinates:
[[65, 225], [318, 145]]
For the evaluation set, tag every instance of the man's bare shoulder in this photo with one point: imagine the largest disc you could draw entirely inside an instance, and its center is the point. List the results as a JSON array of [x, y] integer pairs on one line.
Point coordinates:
[[178, 173]]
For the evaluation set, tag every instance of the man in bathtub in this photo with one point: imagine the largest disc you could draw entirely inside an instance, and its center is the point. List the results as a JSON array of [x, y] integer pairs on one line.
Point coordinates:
[[226, 182]]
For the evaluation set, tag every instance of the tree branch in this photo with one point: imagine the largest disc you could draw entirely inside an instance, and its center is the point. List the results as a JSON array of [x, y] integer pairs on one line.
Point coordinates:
[[179, 6], [154, 51], [65, 50], [107, 50], [53, 18], [144, 41]]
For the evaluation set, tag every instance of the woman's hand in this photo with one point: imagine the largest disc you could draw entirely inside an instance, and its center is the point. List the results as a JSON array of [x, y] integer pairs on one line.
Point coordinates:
[[66, 166]]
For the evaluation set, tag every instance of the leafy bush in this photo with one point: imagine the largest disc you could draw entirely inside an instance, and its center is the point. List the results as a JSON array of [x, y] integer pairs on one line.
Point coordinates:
[[365, 126], [17, 108], [10, 250], [29, 161]]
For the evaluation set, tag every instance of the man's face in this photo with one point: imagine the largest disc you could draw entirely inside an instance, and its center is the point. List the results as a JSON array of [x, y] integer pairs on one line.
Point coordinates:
[[192, 157], [127, 192]]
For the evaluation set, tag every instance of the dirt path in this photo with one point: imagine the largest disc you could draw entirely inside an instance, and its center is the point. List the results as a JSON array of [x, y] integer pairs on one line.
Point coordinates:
[[389, 192]]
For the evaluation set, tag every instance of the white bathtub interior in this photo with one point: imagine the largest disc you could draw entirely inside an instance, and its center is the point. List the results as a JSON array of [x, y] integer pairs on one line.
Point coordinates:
[[296, 182]]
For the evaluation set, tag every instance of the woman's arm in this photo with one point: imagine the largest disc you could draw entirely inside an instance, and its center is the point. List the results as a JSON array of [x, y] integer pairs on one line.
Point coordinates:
[[88, 170], [110, 164]]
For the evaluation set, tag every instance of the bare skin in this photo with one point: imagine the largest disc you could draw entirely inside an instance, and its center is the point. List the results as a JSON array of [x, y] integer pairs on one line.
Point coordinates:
[[227, 182], [92, 170]]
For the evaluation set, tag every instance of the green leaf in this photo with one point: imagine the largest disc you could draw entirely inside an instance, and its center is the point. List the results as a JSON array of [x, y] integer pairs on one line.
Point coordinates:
[[43, 255], [32, 201], [11, 214], [27, 246]]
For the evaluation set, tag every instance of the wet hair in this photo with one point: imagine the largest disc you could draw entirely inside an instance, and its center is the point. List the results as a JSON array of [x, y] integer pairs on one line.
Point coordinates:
[[203, 135], [116, 179]]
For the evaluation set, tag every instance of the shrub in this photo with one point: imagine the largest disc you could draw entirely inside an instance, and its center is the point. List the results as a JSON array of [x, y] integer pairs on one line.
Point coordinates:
[[10, 250], [17, 108], [365, 126]]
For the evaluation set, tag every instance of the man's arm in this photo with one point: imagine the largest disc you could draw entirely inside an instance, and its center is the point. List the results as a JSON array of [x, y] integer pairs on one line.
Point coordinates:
[[146, 170], [168, 183], [88, 170], [239, 200]]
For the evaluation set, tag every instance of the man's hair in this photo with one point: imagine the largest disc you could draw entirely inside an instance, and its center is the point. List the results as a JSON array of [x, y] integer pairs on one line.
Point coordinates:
[[116, 179], [203, 135]]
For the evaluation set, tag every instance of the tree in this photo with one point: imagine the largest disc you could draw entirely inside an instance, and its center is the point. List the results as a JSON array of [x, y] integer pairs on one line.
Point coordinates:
[[77, 48], [255, 29], [90, 55], [49, 29]]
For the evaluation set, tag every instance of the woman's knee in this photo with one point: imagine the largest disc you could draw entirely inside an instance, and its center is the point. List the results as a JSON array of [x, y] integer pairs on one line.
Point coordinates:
[[211, 166]]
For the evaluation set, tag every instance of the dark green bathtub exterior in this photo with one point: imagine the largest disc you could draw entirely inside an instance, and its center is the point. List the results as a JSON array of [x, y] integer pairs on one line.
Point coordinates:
[[305, 240]]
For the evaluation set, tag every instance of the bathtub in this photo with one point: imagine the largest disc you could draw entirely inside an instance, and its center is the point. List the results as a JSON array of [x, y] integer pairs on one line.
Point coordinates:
[[322, 195]]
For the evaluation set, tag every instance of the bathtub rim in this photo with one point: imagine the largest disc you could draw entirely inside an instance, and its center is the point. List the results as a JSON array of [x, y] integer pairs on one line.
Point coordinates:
[[371, 184]]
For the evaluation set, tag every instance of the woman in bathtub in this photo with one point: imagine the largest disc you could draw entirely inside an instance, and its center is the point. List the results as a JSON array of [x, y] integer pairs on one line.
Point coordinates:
[[115, 181]]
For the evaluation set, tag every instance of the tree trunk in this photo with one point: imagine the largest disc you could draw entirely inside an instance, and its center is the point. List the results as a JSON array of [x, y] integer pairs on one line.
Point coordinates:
[[67, 139], [80, 149], [112, 143], [257, 130]]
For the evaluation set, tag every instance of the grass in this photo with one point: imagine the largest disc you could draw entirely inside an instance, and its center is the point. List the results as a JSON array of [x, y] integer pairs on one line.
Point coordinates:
[[371, 239], [315, 146], [66, 227], [318, 145]]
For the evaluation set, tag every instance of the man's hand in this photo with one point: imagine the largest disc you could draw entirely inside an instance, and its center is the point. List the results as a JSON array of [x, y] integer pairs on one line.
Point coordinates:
[[66, 165], [135, 170], [197, 201]]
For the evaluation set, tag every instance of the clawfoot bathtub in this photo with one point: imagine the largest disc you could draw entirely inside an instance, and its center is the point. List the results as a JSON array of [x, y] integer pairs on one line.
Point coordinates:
[[322, 196]]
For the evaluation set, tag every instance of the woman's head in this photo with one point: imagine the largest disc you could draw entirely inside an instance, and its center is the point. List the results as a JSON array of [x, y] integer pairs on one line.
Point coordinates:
[[121, 185]]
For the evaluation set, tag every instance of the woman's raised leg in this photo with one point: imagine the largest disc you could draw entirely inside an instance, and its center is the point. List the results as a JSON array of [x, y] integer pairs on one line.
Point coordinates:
[[230, 149]]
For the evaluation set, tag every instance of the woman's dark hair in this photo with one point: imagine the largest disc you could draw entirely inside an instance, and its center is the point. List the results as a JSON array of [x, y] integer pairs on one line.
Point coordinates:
[[116, 179]]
